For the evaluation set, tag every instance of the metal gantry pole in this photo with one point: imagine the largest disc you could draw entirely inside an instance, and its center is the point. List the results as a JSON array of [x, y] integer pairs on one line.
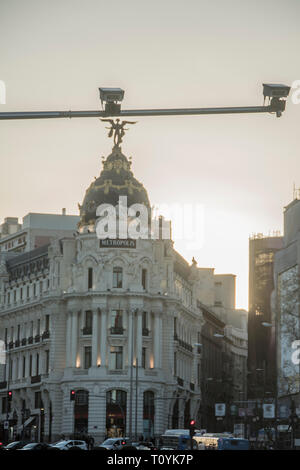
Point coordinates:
[[136, 112]]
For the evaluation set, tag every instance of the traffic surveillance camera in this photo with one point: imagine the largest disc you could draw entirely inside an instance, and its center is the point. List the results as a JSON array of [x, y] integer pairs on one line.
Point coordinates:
[[272, 90], [111, 97], [275, 93]]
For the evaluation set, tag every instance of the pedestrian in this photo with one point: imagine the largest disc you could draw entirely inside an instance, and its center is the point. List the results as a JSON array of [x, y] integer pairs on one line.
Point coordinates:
[[92, 442]]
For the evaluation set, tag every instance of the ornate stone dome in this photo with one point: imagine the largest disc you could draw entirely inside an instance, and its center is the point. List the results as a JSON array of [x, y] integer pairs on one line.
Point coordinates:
[[116, 179]]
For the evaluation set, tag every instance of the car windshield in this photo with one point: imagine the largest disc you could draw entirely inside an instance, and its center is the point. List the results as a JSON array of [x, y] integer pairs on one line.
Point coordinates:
[[110, 441], [29, 446], [12, 444], [61, 443]]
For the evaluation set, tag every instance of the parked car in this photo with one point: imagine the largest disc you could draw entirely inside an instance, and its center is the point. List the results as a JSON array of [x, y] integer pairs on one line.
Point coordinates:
[[15, 445], [114, 443], [143, 445], [69, 444], [37, 446]]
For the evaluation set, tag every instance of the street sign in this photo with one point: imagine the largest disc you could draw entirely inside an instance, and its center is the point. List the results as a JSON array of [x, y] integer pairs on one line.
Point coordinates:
[[269, 410], [6, 425], [220, 409]]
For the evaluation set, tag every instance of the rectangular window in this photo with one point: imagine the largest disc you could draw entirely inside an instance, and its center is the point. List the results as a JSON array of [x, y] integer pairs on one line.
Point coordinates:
[[144, 278], [87, 357], [175, 363], [27, 292], [117, 322], [144, 320], [144, 352], [15, 295], [38, 331], [10, 369], [18, 333], [34, 290], [24, 367], [47, 323], [90, 278], [118, 277], [37, 364], [116, 353], [31, 328], [41, 287], [21, 293], [88, 319], [30, 366], [145, 331], [47, 361], [37, 399]]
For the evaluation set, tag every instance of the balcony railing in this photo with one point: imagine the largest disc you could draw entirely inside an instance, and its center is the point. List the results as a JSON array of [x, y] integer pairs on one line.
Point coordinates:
[[36, 379], [17, 343], [87, 330], [116, 330], [145, 331], [3, 385], [180, 381], [10, 344], [23, 341], [30, 340], [37, 338], [192, 386], [46, 334], [185, 345]]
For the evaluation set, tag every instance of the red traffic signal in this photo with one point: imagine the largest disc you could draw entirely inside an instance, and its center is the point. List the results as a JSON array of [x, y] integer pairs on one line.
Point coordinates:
[[192, 422], [9, 395], [72, 395]]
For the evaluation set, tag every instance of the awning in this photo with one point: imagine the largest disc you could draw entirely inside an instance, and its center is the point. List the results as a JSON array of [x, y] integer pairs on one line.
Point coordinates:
[[27, 422]]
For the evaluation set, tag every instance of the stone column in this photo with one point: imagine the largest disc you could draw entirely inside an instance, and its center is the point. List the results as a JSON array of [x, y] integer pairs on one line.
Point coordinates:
[[95, 338], [68, 339], [103, 337], [130, 342], [157, 340], [74, 338]]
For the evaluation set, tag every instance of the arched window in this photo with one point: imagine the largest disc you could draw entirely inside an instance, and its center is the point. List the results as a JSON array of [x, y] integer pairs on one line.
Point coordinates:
[[81, 411], [90, 278], [116, 401], [117, 277], [148, 414]]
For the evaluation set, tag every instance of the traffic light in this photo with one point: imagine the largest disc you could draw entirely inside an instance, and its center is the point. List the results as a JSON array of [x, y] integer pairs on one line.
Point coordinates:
[[9, 395], [192, 425], [72, 395]]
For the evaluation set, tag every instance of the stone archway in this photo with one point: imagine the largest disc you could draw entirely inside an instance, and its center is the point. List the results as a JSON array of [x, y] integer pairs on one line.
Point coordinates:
[[116, 401], [81, 412]]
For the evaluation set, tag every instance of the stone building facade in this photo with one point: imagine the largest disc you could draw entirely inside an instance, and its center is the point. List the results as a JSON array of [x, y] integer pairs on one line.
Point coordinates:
[[115, 324]]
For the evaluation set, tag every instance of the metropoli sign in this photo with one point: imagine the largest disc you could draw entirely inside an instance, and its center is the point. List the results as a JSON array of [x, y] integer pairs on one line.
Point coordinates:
[[117, 243]]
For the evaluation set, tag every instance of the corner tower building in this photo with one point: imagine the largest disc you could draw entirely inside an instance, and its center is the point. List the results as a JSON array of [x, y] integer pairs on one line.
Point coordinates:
[[116, 321]]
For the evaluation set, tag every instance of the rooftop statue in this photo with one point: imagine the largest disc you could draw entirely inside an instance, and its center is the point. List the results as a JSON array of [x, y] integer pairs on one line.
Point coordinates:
[[117, 129]]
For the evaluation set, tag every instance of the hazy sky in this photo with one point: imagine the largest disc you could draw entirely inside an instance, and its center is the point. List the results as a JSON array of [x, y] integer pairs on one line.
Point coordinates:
[[169, 53]]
